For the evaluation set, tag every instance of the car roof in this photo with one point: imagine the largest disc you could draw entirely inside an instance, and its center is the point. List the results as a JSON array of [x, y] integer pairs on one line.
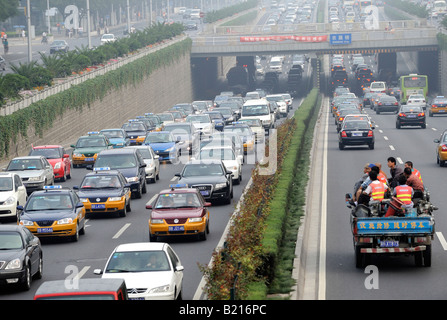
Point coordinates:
[[28, 157], [140, 246], [83, 285], [103, 172], [179, 190], [10, 227], [204, 161], [118, 151], [50, 146]]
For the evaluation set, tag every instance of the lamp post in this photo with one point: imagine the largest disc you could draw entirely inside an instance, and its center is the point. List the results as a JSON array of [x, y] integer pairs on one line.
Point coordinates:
[[28, 22], [88, 25]]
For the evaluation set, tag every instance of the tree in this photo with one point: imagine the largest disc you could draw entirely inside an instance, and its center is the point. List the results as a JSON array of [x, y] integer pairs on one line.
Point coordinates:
[[8, 9]]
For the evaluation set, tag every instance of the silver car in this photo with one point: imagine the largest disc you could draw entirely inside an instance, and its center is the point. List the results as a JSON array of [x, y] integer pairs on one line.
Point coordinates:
[[151, 160], [35, 172]]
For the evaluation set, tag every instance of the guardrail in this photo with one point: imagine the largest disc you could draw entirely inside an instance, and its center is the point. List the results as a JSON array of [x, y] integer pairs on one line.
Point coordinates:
[[64, 84]]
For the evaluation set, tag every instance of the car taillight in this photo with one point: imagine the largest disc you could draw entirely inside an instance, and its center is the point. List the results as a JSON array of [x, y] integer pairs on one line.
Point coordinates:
[[343, 134], [370, 133], [421, 114], [396, 104], [380, 103], [402, 115], [433, 105], [340, 119], [444, 147]]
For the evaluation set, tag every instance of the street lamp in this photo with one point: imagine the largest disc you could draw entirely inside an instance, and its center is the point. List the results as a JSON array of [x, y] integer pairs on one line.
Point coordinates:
[[88, 25], [28, 21]]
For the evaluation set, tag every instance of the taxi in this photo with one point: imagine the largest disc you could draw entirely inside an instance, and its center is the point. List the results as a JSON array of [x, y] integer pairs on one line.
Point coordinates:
[[117, 137], [438, 106], [245, 132], [179, 211], [136, 131], [54, 212], [105, 190], [156, 120], [86, 149], [441, 149], [257, 128]]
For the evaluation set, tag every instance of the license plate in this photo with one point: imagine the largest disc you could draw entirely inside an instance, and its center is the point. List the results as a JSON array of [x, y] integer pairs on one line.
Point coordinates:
[[89, 159], [411, 116], [141, 298], [133, 140], [441, 110], [176, 228], [44, 230], [98, 206], [205, 192], [389, 244], [357, 134]]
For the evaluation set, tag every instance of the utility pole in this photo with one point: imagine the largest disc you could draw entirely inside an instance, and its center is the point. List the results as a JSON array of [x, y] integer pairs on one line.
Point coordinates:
[[28, 22], [88, 25], [128, 17]]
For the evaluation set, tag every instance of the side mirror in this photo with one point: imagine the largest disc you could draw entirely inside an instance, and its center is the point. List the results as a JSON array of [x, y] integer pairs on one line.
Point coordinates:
[[97, 271], [179, 268], [20, 208], [149, 206], [157, 157], [79, 205], [436, 141], [89, 167], [207, 204], [73, 146], [66, 155], [177, 175], [75, 187]]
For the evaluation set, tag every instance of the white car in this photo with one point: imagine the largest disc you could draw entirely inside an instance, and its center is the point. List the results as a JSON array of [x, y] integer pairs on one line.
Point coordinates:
[[12, 194], [257, 128], [202, 122], [280, 101], [151, 160], [377, 86], [108, 37], [259, 109], [151, 270], [225, 153], [417, 99]]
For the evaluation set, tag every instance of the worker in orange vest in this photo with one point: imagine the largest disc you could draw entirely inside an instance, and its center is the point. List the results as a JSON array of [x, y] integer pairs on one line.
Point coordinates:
[[404, 193], [415, 172], [376, 189]]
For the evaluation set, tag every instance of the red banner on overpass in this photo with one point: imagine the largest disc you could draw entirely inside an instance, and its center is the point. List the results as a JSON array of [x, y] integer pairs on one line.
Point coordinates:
[[284, 38]]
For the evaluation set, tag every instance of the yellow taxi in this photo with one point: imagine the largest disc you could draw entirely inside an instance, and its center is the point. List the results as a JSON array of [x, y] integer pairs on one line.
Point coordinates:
[[87, 148], [105, 191], [441, 149], [179, 211], [438, 106]]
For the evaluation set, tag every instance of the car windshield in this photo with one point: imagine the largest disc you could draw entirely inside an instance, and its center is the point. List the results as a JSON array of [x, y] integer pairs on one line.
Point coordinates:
[[198, 118], [24, 164], [215, 115], [178, 129], [5, 183], [252, 122], [90, 143], [116, 161], [145, 152], [100, 181], [356, 125], [58, 43], [406, 108], [196, 170], [155, 119], [108, 36], [134, 126], [177, 200], [217, 154], [138, 261], [49, 202], [10, 241], [225, 111], [49, 153], [159, 138], [111, 134], [244, 131], [275, 98], [256, 110], [166, 116]]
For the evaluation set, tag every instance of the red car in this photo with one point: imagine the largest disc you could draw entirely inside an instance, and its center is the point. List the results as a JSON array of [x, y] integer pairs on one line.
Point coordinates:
[[57, 157]]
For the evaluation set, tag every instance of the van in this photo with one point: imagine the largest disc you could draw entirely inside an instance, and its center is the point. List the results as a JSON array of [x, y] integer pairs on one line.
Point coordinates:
[[259, 109], [83, 289], [377, 86], [276, 64], [195, 14], [252, 95]]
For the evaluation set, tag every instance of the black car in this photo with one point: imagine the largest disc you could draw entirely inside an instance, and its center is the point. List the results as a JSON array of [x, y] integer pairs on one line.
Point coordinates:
[[191, 25], [210, 177], [339, 78], [187, 134], [105, 191], [136, 130], [411, 115], [20, 256], [129, 162], [355, 133], [59, 45], [386, 103], [217, 118]]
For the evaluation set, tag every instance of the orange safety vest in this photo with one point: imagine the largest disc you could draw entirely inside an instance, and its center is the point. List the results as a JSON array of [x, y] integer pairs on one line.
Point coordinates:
[[382, 178], [417, 173], [377, 190], [403, 193]]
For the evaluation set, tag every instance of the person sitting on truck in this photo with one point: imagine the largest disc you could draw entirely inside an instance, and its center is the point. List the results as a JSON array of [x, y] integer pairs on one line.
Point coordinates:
[[366, 170], [414, 182], [395, 172], [404, 193], [368, 180], [415, 172], [376, 189]]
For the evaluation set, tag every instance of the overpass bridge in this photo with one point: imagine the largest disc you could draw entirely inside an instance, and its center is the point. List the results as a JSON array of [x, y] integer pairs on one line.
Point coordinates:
[[406, 35]]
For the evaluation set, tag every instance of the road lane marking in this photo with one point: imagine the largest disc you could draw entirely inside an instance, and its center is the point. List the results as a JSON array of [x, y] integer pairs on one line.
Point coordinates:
[[120, 232], [399, 160], [434, 129], [82, 272], [442, 240], [152, 200], [392, 148], [385, 137], [174, 178]]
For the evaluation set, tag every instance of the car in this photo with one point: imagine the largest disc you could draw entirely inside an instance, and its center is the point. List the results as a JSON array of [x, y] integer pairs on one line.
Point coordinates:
[[35, 172], [246, 134], [107, 38], [367, 99], [166, 117], [136, 130], [356, 132], [218, 99], [387, 103], [59, 45], [12, 194], [105, 191], [152, 162], [411, 115], [280, 101], [441, 149], [164, 144], [223, 140], [257, 128], [228, 156], [129, 162], [21, 256], [191, 25], [202, 123], [57, 157], [178, 115], [150, 124], [341, 116], [417, 99], [179, 211], [188, 108], [361, 116], [378, 86], [217, 118], [234, 105], [259, 109], [54, 212], [86, 149], [2, 63], [118, 137], [156, 120], [227, 113], [438, 106], [186, 134], [85, 289], [151, 270], [201, 106], [210, 177]]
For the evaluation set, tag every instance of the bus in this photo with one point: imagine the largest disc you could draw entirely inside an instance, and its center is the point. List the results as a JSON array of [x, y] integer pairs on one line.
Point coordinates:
[[412, 84]]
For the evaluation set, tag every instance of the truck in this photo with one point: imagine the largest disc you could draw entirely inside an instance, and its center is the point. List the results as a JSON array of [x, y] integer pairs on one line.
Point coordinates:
[[439, 9], [387, 66], [407, 232], [238, 79]]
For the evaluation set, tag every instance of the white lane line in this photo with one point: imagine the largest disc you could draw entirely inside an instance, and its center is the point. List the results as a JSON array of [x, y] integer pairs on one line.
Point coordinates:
[[442, 240], [434, 129], [399, 160], [152, 199], [82, 272], [385, 137], [381, 131], [174, 178], [120, 232], [392, 148]]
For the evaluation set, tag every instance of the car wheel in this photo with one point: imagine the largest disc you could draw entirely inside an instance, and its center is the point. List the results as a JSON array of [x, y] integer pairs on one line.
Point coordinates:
[[371, 146], [39, 272], [341, 146], [26, 284], [123, 212], [128, 208], [144, 190], [75, 237], [152, 238], [424, 126], [397, 125]]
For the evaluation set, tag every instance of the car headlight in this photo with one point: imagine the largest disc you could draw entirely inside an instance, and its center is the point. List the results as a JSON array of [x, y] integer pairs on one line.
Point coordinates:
[[132, 179], [14, 264], [9, 201], [161, 289], [157, 221], [65, 221], [115, 198], [33, 179], [234, 168], [26, 223], [170, 149], [58, 165], [220, 185], [83, 200], [77, 155], [120, 144], [195, 219]]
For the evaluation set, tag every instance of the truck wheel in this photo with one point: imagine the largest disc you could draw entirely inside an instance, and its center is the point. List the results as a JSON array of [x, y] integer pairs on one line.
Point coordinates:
[[427, 256], [359, 258], [418, 259]]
